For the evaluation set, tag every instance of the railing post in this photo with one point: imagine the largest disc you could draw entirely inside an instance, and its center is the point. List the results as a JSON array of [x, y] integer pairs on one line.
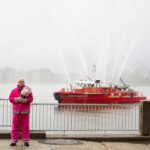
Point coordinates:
[[144, 119]]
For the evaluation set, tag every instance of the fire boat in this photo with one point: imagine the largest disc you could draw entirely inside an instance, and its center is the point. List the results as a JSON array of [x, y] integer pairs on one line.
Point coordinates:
[[89, 92]]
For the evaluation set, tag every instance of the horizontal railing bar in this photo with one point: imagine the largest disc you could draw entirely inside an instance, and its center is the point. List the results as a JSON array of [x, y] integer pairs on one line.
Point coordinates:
[[89, 130], [76, 104], [91, 104]]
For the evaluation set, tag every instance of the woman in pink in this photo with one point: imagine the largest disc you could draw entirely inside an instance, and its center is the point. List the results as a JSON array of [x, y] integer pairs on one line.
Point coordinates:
[[21, 110]]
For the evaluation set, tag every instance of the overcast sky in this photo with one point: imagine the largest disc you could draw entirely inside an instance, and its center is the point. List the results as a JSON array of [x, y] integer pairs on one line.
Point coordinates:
[[70, 35]]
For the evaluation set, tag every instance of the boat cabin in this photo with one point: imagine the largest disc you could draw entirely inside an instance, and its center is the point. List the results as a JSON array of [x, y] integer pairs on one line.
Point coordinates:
[[87, 84]]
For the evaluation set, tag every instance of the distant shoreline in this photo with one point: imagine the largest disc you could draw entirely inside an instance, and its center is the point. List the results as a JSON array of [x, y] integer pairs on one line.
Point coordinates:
[[65, 83]]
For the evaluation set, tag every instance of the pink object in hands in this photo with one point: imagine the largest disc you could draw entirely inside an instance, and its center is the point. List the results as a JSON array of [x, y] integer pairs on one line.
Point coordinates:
[[26, 92]]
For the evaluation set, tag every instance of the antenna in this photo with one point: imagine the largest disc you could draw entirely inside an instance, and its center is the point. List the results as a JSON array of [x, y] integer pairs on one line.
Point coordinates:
[[122, 81]]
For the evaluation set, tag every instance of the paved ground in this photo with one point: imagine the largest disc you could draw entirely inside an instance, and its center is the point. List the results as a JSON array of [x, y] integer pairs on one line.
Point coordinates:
[[34, 145]]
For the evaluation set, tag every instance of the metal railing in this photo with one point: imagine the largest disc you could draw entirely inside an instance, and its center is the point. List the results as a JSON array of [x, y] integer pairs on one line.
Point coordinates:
[[77, 117], [5, 113]]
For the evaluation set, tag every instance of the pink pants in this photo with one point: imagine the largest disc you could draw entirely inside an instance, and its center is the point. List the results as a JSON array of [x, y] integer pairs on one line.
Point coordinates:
[[23, 120]]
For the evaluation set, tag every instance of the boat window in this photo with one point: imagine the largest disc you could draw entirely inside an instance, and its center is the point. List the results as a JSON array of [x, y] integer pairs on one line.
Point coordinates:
[[97, 85]]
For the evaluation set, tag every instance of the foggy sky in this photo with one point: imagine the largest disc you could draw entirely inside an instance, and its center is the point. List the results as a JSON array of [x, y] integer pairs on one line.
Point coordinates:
[[73, 34]]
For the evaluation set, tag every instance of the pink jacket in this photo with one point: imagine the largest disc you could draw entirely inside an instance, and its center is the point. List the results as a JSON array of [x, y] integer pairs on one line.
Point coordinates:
[[20, 107]]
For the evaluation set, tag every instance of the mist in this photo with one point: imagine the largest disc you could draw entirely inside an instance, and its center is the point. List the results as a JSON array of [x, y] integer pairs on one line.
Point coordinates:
[[58, 40]]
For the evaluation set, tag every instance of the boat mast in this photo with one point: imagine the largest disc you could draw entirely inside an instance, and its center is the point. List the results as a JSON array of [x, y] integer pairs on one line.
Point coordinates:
[[92, 73], [122, 81]]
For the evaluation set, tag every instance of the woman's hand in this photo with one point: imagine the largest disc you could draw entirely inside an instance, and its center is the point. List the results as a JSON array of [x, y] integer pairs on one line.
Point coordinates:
[[20, 99]]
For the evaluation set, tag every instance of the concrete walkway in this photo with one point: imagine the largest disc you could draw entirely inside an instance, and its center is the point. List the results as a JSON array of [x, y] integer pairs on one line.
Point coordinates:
[[34, 145]]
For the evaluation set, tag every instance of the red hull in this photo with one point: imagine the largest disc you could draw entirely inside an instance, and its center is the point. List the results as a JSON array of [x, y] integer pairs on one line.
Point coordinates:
[[94, 98]]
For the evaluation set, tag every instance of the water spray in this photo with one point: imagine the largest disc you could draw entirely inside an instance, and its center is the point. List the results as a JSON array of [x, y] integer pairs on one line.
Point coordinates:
[[107, 35], [58, 48], [121, 41], [130, 51]]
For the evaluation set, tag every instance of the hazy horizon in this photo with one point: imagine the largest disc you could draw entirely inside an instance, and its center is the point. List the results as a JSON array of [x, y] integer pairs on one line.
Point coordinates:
[[67, 36]]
